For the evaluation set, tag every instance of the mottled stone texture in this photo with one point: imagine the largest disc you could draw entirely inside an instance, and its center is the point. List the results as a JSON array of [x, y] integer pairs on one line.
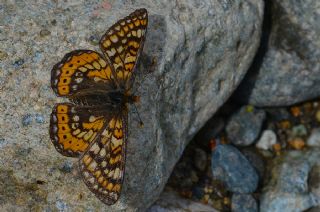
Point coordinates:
[[290, 68], [293, 183], [195, 55], [170, 201]]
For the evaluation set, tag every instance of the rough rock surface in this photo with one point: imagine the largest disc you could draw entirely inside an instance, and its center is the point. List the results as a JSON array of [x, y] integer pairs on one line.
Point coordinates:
[[195, 55], [289, 71], [290, 187], [170, 201], [243, 203]]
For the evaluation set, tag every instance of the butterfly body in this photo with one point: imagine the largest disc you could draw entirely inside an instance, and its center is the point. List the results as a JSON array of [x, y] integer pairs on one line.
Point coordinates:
[[93, 127]]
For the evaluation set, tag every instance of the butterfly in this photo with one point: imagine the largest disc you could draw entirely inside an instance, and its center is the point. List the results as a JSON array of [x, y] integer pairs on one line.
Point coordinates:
[[94, 126]]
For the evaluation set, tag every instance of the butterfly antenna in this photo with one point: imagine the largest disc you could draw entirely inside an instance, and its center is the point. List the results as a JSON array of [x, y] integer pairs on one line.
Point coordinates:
[[140, 121]]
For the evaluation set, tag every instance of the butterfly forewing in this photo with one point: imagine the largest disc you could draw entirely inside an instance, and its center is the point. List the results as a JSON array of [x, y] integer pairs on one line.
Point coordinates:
[[123, 42], [102, 166], [80, 71]]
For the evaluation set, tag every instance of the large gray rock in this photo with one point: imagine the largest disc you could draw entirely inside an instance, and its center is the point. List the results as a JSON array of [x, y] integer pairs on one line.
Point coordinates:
[[290, 70], [196, 53]]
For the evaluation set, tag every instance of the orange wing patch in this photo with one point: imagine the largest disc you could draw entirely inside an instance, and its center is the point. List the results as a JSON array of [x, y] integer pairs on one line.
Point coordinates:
[[78, 70], [72, 129], [123, 42], [102, 166]]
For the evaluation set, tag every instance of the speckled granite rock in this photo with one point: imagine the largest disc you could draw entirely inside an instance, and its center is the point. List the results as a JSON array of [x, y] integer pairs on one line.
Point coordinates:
[[290, 187], [290, 68], [196, 53], [170, 201]]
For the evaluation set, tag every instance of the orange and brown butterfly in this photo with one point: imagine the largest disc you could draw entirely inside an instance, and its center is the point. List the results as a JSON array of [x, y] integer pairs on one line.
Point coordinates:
[[93, 127]]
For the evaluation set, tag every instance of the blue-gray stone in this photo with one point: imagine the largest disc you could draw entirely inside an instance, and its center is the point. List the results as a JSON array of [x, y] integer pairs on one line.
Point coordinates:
[[231, 167], [292, 187], [243, 203], [244, 126], [39, 118], [26, 120]]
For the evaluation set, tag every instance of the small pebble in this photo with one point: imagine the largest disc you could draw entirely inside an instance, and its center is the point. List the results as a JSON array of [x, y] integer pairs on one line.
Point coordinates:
[[18, 63], [44, 32], [244, 126], [314, 138], [299, 130], [297, 143], [295, 111], [229, 165], [61, 205], [267, 140], [39, 118], [276, 147], [285, 124], [67, 167], [26, 120]]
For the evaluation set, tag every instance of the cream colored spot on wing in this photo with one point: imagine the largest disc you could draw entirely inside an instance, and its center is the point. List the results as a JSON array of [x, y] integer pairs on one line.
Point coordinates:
[[80, 135], [93, 137], [114, 38], [130, 59], [89, 66], [102, 152], [76, 132], [91, 180], [124, 41], [76, 118], [116, 173], [86, 160], [96, 65], [120, 49], [92, 166], [110, 174], [95, 148], [111, 52], [88, 135], [83, 69], [107, 43], [92, 118], [102, 63], [96, 79], [78, 80], [139, 33]]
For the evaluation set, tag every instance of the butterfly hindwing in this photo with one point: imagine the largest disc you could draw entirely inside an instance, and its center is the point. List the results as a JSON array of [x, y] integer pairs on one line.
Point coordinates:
[[123, 42], [78, 71], [102, 166], [73, 128]]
